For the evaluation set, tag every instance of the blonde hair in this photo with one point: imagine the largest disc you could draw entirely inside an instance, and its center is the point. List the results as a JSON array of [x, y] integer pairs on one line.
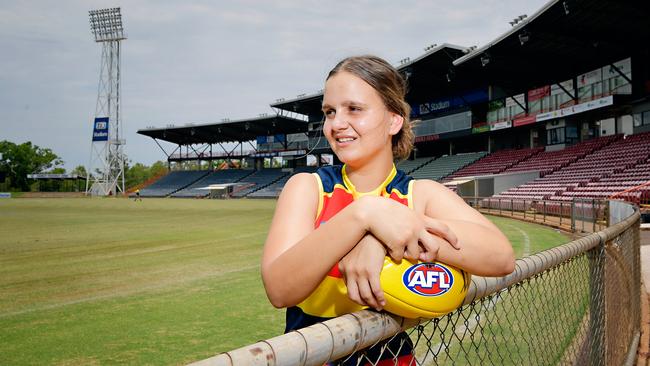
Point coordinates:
[[391, 86]]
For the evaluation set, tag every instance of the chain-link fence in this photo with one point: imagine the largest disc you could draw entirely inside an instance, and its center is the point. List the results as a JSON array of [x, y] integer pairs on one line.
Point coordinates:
[[574, 304]]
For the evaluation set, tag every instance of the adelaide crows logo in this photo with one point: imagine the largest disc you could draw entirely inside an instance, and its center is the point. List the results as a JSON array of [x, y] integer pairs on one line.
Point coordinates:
[[428, 279]]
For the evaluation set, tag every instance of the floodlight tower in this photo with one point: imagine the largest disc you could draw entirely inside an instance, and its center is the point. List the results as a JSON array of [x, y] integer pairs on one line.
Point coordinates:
[[106, 169]]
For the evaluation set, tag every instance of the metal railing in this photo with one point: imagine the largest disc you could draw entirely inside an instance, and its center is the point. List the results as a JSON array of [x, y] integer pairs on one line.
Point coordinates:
[[586, 215], [639, 194], [578, 303]]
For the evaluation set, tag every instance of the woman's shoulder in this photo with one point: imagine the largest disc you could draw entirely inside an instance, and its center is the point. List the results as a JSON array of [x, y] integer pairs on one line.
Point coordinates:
[[428, 186], [431, 195], [301, 181], [301, 190]]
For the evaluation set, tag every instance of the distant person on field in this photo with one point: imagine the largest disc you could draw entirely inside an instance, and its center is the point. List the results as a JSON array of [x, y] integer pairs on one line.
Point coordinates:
[[137, 195], [343, 220]]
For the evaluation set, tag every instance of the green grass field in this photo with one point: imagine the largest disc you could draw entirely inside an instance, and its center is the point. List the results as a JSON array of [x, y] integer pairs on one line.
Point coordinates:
[[163, 281]]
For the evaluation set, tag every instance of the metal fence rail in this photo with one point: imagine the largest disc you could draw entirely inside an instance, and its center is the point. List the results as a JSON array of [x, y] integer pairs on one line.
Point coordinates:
[[574, 304], [577, 214]]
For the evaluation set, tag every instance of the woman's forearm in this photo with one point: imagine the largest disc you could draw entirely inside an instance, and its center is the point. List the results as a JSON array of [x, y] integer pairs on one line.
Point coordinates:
[[295, 273], [483, 251]]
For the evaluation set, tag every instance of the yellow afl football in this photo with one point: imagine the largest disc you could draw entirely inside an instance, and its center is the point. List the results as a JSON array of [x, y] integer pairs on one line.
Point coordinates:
[[422, 290]]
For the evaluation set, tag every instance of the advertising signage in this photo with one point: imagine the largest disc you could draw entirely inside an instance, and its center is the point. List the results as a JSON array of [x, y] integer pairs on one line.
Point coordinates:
[[427, 138], [539, 93], [500, 125], [524, 120], [281, 138], [575, 109], [445, 104], [480, 127], [100, 129]]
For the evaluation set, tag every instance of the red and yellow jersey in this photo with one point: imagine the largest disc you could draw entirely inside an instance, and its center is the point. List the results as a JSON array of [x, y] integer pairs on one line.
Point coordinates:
[[330, 298]]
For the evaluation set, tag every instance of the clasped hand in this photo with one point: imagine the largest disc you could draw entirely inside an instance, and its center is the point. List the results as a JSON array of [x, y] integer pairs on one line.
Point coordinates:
[[397, 231]]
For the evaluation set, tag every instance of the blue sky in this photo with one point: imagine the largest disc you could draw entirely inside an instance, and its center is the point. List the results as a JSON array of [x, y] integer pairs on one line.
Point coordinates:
[[201, 61]]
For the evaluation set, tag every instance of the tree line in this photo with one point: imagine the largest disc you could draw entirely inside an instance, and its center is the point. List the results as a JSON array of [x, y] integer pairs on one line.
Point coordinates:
[[19, 160]]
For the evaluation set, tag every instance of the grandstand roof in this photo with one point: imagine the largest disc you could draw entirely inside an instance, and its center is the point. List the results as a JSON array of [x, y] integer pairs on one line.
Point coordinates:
[[561, 40], [227, 131], [418, 71], [303, 104]]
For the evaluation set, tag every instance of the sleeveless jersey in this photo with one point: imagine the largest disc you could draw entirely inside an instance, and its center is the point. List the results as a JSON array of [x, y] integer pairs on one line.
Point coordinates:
[[330, 299]]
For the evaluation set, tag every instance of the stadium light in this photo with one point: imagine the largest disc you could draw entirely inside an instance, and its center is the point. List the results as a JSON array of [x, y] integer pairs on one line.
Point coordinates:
[[518, 19], [107, 149], [106, 25], [485, 59], [430, 47], [469, 49]]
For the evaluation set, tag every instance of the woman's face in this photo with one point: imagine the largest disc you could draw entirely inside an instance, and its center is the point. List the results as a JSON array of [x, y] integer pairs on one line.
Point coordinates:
[[358, 126]]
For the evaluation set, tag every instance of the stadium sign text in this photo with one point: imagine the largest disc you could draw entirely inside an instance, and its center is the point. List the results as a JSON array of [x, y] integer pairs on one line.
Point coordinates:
[[578, 108], [524, 120], [444, 104], [500, 125], [427, 138], [100, 129]]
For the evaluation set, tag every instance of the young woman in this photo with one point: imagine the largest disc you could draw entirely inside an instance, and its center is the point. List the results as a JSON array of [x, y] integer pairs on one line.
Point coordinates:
[[343, 221]]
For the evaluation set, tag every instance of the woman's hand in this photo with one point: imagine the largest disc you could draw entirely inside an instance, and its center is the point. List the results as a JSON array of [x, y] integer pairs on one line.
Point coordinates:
[[404, 233], [361, 268], [441, 235]]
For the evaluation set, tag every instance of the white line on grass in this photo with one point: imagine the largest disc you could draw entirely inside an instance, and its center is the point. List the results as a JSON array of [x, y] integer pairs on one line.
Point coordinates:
[[526, 240]]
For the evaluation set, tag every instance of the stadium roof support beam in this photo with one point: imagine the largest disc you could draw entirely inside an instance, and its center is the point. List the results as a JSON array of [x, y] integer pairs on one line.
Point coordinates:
[[524, 107], [573, 96], [228, 153], [612, 66], [198, 154], [163, 150]]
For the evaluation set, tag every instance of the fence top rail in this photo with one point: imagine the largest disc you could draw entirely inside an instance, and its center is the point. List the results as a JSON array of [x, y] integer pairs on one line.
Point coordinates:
[[636, 188], [335, 338], [537, 200]]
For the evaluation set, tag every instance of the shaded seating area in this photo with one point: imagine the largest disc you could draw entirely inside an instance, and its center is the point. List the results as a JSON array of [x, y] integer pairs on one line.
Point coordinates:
[[619, 165], [439, 168], [172, 182], [408, 166], [273, 190], [260, 179], [216, 177], [549, 161], [495, 163]]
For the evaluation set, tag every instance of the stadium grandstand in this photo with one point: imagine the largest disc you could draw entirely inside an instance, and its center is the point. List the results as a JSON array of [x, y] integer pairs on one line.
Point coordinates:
[[560, 100]]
